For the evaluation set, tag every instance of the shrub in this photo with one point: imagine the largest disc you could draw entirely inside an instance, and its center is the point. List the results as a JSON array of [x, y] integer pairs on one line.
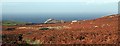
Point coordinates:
[[44, 29], [11, 38], [10, 29], [81, 37]]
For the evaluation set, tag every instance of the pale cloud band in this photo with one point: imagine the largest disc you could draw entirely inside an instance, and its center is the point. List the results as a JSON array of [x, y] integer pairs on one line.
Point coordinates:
[[87, 1]]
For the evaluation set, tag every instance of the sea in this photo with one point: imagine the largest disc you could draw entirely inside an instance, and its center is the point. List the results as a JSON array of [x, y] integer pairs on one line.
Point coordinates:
[[41, 18]]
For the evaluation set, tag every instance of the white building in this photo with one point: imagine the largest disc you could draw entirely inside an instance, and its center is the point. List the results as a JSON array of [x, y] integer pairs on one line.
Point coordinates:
[[74, 21]]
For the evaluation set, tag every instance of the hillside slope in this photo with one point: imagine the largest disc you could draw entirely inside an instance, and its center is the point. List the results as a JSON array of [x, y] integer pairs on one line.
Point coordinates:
[[102, 30]]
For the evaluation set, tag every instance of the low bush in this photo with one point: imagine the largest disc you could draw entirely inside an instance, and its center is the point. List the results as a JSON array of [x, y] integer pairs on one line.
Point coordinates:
[[44, 29]]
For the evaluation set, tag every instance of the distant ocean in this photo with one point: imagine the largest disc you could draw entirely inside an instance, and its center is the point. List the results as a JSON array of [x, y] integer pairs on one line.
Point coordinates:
[[40, 18]]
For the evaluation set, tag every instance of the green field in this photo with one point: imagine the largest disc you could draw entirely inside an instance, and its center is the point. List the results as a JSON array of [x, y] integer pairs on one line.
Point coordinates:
[[11, 23]]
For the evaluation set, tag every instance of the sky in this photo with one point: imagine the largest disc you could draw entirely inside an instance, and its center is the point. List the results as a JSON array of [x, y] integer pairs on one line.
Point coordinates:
[[59, 6], [89, 1], [105, 7]]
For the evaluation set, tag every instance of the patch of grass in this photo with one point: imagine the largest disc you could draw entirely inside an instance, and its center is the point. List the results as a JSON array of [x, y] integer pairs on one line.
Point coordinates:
[[28, 41], [11, 23]]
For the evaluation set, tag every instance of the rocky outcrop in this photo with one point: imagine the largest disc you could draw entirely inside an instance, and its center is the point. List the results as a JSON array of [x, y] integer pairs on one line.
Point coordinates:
[[54, 21]]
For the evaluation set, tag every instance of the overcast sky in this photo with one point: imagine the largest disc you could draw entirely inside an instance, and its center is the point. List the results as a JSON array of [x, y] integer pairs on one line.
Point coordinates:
[[60, 6]]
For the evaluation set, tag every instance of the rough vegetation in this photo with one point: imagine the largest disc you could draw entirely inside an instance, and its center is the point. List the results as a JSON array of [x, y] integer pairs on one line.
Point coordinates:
[[102, 30]]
